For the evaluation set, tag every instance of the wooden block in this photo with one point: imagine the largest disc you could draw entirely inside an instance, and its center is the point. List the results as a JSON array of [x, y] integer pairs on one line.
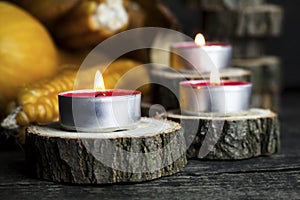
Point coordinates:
[[233, 137], [245, 47], [154, 149], [166, 89], [248, 47], [268, 99], [254, 21], [230, 4], [266, 80]]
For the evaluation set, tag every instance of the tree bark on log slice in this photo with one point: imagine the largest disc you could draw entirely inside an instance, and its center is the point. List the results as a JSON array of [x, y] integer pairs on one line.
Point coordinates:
[[254, 21], [166, 87], [238, 136], [230, 4], [154, 149], [266, 80]]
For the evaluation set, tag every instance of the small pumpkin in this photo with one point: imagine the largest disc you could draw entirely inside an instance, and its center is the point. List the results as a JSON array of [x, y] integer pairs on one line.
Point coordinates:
[[27, 52]]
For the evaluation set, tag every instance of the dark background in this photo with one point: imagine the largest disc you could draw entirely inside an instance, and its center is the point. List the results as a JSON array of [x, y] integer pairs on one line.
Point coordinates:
[[286, 46]]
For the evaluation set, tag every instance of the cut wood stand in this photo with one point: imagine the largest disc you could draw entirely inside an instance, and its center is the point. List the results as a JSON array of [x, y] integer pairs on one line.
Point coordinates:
[[154, 149], [238, 136]]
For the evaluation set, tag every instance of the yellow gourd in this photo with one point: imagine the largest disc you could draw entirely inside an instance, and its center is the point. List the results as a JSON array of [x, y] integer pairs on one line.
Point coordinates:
[[27, 52]]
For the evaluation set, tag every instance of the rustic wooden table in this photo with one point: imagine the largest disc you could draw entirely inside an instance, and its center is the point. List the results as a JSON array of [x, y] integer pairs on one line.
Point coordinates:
[[264, 177]]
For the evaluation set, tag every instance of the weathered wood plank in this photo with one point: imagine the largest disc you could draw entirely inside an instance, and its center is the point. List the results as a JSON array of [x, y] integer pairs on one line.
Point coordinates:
[[275, 177], [264, 179], [252, 185], [264, 184], [13, 170]]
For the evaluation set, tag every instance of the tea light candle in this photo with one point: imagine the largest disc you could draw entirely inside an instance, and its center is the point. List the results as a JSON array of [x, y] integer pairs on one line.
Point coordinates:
[[200, 55], [198, 97], [99, 110]]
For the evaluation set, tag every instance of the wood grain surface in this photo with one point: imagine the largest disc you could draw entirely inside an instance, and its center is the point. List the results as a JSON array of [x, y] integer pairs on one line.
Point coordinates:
[[275, 177]]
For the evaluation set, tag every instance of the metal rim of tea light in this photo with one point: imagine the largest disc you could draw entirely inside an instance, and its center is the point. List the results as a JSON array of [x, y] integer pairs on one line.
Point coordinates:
[[200, 58], [99, 114], [222, 99]]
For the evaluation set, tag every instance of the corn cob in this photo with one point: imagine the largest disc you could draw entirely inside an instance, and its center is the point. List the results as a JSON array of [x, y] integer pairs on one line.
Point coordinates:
[[39, 101], [86, 24]]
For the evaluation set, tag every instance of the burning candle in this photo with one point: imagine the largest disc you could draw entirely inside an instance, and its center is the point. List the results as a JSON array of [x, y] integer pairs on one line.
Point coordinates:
[[200, 55], [214, 96], [99, 110]]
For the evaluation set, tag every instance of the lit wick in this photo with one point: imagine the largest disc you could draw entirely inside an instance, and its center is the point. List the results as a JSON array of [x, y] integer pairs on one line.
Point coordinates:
[[215, 78], [214, 75], [99, 84], [200, 40], [98, 81]]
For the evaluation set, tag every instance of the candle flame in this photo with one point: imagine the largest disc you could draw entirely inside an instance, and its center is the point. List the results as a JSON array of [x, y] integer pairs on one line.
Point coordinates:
[[98, 81], [215, 79], [200, 40]]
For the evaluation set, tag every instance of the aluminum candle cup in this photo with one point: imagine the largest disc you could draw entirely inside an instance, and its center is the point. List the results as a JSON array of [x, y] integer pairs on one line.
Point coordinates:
[[198, 97], [99, 111], [190, 56]]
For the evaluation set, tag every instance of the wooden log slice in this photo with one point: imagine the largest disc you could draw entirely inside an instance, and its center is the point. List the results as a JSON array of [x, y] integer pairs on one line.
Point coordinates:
[[254, 21], [154, 149], [166, 88], [244, 135], [229, 4], [246, 48], [266, 80]]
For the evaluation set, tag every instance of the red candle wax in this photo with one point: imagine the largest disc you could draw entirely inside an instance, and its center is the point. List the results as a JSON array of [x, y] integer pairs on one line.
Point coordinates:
[[99, 110], [207, 83], [194, 45], [101, 93], [190, 56]]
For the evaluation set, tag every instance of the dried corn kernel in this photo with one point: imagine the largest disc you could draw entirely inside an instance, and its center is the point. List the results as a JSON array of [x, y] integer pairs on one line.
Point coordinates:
[[39, 101], [22, 119], [30, 111]]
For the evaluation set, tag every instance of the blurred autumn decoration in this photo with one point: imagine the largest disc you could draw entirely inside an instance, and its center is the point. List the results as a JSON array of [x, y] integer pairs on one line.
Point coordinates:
[[38, 38]]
